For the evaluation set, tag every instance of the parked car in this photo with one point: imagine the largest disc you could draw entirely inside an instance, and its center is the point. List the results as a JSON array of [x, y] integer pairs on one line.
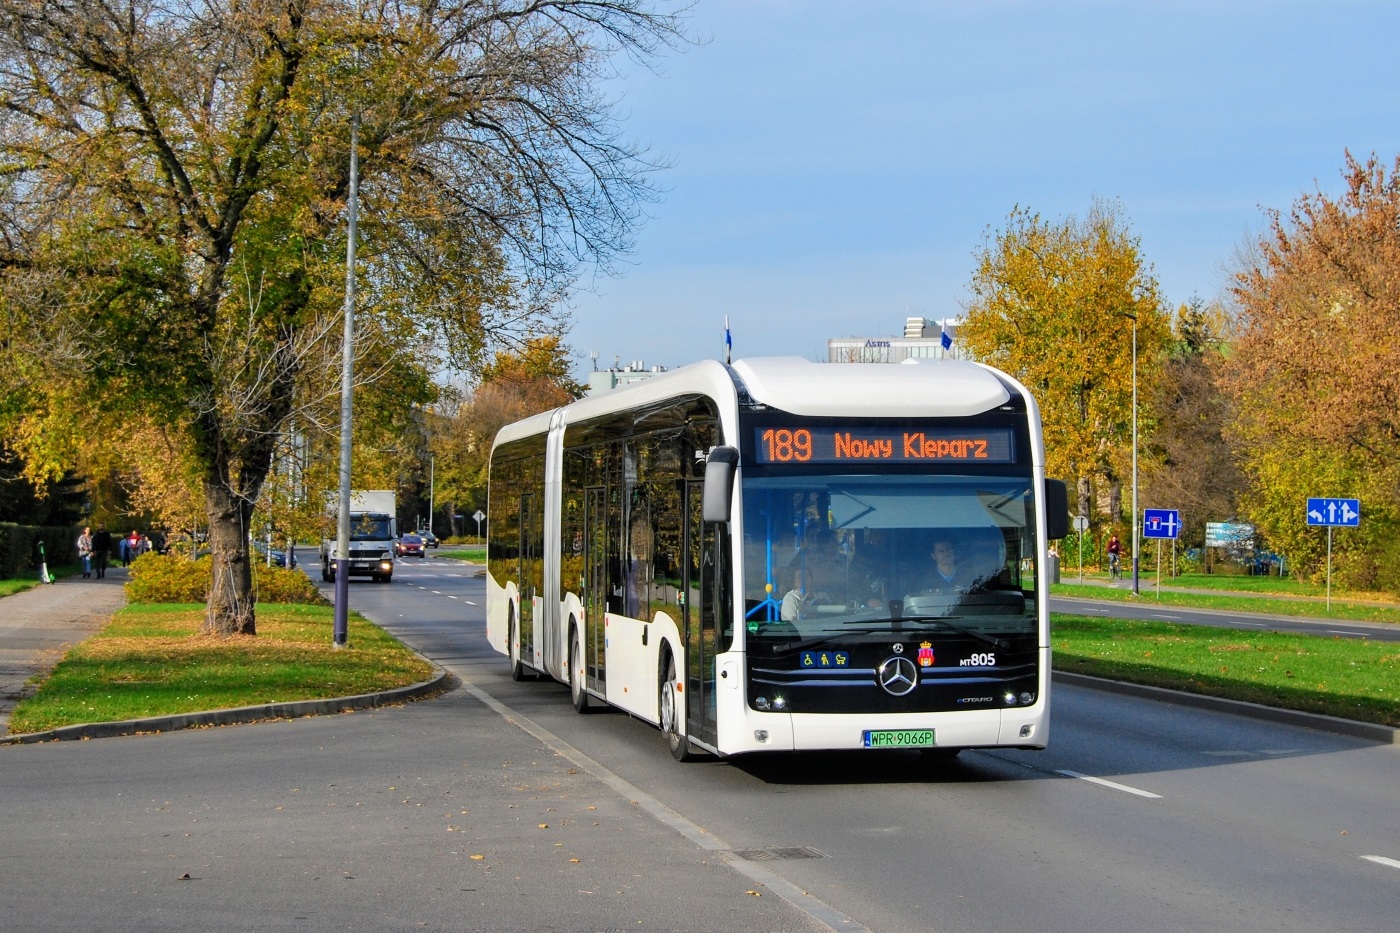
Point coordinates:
[[275, 556], [409, 546], [429, 538]]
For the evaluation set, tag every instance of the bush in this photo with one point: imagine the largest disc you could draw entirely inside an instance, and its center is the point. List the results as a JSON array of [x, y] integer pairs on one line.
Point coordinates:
[[171, 578]]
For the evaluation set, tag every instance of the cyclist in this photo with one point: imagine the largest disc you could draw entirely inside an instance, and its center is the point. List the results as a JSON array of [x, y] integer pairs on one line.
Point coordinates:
[[1115, 554]]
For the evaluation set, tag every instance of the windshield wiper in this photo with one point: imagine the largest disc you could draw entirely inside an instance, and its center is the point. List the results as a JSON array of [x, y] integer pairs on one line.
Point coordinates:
[[961, 630]]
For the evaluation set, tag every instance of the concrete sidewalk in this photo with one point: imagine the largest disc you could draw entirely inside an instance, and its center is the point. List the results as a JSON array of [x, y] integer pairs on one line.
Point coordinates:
[[38, 625]]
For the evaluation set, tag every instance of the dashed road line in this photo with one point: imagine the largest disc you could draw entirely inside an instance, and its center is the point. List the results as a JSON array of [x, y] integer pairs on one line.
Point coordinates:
[[1382, 860], [1110, 784]]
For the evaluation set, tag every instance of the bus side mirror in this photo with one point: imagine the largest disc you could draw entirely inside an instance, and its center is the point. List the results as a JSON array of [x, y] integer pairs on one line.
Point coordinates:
[[1056, 509], [719, 484]]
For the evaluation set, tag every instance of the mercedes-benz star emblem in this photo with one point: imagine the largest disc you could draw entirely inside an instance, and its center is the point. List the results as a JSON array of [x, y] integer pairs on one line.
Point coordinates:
[[898, 676]]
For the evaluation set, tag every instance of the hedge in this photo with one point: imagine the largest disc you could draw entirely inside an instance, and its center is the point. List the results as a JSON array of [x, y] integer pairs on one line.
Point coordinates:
[[19, 547]]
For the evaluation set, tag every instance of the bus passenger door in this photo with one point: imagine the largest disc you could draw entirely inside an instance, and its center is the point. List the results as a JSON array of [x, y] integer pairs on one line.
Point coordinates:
[[595, 580], [531, 567], [701, 568]]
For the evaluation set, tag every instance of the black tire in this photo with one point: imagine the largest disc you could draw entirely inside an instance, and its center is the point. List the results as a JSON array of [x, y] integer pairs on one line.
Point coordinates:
[[517, 667], [578, 690], [327, 574], [672, 710]]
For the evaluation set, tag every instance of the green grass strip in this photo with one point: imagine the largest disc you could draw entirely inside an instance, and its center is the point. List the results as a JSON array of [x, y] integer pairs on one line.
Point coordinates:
[[476, 555], [150, 660], [1226, 602], [1346, 677]]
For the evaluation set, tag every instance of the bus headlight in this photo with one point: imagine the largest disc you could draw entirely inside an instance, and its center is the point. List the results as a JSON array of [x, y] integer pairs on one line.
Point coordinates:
[[1009, 699], [760, 702], [779, 704], [1027, 698]]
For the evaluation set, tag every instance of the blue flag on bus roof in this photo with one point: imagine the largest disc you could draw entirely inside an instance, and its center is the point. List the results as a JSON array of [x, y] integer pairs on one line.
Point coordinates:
[[947, 338]]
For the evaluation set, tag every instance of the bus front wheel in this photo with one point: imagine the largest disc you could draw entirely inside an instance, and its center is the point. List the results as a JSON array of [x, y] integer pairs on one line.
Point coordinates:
[[672, 706]]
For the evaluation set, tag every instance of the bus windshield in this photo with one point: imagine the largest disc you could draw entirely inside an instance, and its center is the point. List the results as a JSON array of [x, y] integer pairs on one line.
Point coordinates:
[[827, 555]]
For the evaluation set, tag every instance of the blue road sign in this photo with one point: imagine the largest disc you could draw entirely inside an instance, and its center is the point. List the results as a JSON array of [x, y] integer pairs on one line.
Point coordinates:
[[1344, 512], [1161, 523]]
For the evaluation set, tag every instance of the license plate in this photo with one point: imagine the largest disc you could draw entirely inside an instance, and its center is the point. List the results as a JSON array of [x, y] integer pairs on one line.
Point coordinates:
[[898, 738]]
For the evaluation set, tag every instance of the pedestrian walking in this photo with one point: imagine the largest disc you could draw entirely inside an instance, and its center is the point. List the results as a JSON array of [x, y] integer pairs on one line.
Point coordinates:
[[85, 551], [101, 551], [130, 547]]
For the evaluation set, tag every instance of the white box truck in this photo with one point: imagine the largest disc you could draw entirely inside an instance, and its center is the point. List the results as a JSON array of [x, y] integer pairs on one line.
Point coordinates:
[[373, 530]]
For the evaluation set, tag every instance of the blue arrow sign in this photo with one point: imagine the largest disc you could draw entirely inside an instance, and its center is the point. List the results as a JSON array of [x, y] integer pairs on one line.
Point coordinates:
[[1343, 512], [1161, 523]]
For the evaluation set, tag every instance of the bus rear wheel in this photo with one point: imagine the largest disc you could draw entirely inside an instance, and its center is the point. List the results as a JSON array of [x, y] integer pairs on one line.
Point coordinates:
[[517, 667], [578, 689], [672, 707]]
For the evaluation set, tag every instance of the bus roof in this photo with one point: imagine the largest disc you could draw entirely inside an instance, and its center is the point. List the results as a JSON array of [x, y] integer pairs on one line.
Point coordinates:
[[914, 388]]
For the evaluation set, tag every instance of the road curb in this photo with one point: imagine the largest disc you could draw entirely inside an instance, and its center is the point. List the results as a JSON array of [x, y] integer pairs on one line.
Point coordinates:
[[1385, 735], [439, 683]]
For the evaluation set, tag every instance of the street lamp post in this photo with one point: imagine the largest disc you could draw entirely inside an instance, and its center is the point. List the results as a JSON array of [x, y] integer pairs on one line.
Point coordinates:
[[1135, 453]]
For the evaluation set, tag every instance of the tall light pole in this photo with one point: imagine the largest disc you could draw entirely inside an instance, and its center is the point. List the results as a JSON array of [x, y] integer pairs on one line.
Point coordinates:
[[1135, 451], [341, 614]]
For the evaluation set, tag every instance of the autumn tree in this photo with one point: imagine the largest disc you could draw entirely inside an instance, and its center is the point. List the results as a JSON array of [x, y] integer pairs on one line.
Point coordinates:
[[1315, 375], [1191, 466], [173, 213], [1054, 304], [515, 385]]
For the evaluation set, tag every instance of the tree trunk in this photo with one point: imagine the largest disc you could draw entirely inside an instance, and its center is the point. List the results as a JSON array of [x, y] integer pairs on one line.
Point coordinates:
[[1085, 496], [230, 610]]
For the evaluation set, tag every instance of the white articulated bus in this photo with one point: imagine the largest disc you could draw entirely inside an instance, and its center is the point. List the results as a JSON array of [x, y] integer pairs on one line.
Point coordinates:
[[778, 555]]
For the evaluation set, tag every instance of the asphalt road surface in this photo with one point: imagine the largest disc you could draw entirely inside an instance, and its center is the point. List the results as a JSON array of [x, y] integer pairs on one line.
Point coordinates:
[[1141, 816]]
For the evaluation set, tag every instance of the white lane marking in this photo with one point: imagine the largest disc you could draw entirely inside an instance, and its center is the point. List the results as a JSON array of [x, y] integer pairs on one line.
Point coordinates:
[[1100, 781], [469, 602], [1342, 631], [1382, 860], [450, 596], [809, 904], [436, 592], [1165, 615], [1250, 624]]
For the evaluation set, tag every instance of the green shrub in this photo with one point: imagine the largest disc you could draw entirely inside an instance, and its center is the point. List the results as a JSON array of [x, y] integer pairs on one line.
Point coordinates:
[[280, 585], [171, 578]]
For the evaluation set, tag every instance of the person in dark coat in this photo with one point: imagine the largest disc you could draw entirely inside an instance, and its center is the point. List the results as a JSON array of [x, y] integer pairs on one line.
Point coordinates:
[[101, 551]]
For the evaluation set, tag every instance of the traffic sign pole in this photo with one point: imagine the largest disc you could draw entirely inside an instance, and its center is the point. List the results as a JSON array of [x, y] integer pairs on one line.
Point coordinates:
[[1329, 570]]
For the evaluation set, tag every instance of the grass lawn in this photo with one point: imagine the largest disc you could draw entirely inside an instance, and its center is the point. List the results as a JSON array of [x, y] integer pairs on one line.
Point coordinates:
[[1275, 602], [476, 555], [31, 579], [150, 660], [1346, 677]]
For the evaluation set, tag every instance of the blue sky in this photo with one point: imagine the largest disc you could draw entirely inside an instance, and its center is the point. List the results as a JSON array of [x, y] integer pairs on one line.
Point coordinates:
[[836, 165]]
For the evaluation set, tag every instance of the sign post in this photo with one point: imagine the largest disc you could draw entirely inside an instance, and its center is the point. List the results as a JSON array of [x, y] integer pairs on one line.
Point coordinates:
[[1344, 513], [1081, 525], [1159, 524], [478, 515]]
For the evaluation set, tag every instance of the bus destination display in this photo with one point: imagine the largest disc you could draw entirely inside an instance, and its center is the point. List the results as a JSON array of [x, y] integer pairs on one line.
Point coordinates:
[[853, 443]]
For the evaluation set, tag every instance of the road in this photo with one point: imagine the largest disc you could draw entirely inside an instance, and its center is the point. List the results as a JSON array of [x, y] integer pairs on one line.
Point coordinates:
[[1141, 815]]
